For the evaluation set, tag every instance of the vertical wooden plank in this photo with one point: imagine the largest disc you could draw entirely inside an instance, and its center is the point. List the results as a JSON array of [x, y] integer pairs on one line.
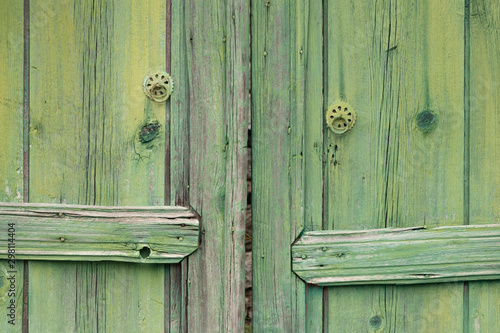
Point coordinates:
[[349, 308], [276, 303], [11, 102], [179, 157], [11, 150], [179, 106], [175, 298], [53, 284], [484, 99], [399, 64], [143, 24], [287, 103], [217, 84], [484, 102], [236, 120], [89, 59], [311, 56], [296, 132], [306, 133], [484, 305]]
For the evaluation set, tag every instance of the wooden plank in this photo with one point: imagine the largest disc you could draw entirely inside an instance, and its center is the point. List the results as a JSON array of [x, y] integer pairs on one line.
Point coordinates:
[[310, 50], [11, 102], [287, 112], [217, 59], [484, 304], [484, 140], [91, 233], [296, 166], [89, 60], [276, 301], [398, 256], [306, 63], [400, 66], [178, 186], [11, 149]]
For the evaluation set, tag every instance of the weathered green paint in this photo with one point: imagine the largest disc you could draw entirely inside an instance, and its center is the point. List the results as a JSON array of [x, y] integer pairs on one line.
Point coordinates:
[[87, 233], [11, 103], [177, 172], [310, 47], [398, 256], [391, 61], [386, 172], [484, 101], [411, 159], [277, 205], [216, 83], [11, 143], [88, 62], [404, 164], [97, 139]]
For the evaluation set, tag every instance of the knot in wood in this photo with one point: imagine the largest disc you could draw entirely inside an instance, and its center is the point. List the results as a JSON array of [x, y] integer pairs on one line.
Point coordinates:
[[426, 121], [149, 132]]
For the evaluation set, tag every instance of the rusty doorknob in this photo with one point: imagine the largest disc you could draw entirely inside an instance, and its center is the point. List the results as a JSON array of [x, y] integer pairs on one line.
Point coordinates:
[[158, 86], [340, 117]]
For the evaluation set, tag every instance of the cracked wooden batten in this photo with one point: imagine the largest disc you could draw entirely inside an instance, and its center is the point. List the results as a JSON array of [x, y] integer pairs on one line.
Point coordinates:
[[398, 256], [96, 233]]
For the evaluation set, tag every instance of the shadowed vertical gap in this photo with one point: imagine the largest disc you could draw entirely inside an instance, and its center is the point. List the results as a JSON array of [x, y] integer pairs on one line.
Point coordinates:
[[26, 124], [167, 189], [325, 310], [166, 303], [467, 36], [248, 213]]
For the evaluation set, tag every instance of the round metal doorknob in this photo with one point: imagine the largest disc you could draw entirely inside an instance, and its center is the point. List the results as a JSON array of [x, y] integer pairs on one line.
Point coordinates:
[[158, 86], [340, 117]]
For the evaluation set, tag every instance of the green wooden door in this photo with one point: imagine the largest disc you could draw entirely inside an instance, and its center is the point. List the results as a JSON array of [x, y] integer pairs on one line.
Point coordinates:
[[424, 79], [77, 128]]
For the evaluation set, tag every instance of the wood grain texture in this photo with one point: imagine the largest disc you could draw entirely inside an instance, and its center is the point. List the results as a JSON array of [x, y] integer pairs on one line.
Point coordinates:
[[484, 99], [178, 187], [11, 102], [399, 64], [277, 145], [217, 86], [310, 49], [398, 256], [295, 131], [87, 233], [88, 62], [11, 143]]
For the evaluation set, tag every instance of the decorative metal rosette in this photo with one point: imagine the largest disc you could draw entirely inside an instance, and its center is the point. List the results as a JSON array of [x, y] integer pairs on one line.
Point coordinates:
[[158, 86], [340, 117]]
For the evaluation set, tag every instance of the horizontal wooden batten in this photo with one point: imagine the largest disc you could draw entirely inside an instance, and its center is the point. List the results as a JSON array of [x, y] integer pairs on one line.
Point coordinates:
[[97, 233], [398, 256]]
